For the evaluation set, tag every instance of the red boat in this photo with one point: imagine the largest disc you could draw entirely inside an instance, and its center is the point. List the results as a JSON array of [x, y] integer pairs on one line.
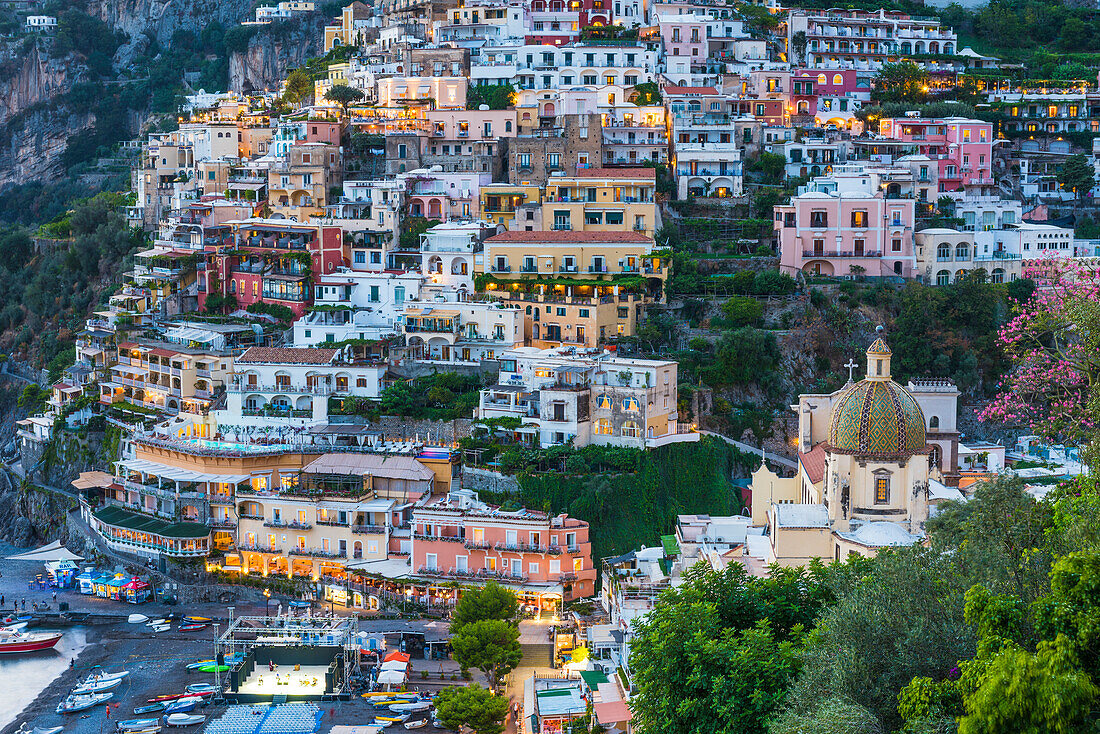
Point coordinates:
[[12, 642]]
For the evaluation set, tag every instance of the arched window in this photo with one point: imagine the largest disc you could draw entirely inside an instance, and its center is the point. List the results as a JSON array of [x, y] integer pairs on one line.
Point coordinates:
[[933, 422], [630, 404], [603, 401], [603, 427], [998, 275], [822, 79], [962, 251], [631, 429], [943, 252], [838, 79]]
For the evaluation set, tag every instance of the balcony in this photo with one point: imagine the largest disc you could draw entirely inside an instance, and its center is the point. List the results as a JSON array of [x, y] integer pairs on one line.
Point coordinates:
[[317, 553], [562, 226], [482, 573], [567, 269], [841, 253], [292, 525], [597, 268], [529, 269], [500, 269], [332, 523], [368, 529]]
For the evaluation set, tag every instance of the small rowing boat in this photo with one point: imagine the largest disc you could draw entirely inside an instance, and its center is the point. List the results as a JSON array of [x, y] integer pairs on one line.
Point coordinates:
[[135, 724], [183, 705], [162, 628], [191, 627], [150, 708], [411, 707], [198, 620], [168, 698], [136, 618], [203, 688], [184, 719], [418, 724]]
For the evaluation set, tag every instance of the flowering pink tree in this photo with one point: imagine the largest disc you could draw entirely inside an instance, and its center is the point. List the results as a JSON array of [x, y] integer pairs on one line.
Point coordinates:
[[1054, 344]]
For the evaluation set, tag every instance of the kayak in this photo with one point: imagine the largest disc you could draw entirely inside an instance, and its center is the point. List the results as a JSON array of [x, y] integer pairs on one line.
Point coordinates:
[[212, 668], [150, 708], [170, 697], [200, 620]]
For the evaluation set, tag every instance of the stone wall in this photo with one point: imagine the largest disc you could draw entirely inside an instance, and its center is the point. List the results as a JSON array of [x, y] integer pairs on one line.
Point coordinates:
[[443, 433], [483, 480]]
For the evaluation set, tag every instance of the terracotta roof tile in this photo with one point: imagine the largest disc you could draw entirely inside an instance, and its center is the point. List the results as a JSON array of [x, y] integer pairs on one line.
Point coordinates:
[[287, 355], [813, 463]]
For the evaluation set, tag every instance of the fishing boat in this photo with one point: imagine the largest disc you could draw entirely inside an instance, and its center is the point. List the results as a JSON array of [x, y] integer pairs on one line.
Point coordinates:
[[150, 708], [100, 682], [411, 707], [183, 705], [200, 688], [14, 642], [192, 626], [72, 704], [418, 724], [184, 719], [136, 618], [134, 724]]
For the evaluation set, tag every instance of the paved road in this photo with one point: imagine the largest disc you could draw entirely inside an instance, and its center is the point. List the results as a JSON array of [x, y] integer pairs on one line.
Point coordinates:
[[781, 460]]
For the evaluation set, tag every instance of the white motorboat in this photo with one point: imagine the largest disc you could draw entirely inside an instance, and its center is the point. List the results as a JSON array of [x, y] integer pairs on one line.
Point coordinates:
[[411, 707], [184, 719], [161, 627], [24, 729], [156, 622], [136, 618], [72, 704], [16, 626], [100, 683]]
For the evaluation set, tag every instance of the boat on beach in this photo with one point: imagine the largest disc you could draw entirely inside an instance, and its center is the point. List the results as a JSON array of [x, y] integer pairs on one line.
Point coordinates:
[[183, 705], [150, 708], [198, 620], [72, 704], [418, 724], [136, 618], [161, 627], [136, 724], [203, 688], [100, 682], [184, 719], [411, 707], [14, 642], [168, 698], [192, 626]]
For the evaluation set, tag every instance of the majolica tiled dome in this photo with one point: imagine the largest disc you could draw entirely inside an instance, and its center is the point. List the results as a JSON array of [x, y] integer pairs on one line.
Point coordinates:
[[877, 416]]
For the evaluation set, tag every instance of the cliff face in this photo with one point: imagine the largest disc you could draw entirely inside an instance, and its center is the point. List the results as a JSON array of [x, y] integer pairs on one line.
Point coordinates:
[[37, 79], [31, 516], [273, 51], [31, 148], [162, 18]]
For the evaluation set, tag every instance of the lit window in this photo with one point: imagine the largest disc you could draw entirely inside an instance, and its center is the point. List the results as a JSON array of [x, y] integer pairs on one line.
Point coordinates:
[[882, 490]]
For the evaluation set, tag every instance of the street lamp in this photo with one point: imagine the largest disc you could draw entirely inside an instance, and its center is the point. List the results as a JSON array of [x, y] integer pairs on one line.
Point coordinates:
[[267, 601]]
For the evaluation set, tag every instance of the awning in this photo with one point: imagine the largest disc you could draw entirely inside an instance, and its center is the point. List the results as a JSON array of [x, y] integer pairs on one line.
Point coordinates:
[[121, 518], [396, 655], [395, 665], [52, 552], [391, 677], [93, 480], [130, 370], [179, 474]]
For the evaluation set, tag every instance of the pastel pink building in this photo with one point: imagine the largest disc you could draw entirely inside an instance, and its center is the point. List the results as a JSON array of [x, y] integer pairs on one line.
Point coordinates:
[[846, 226], [684, 35], [546, 560], [963, 147], [444, 195]]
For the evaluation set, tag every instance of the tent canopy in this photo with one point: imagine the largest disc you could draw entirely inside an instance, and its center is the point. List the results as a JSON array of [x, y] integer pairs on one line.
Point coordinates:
[[136, 585], [52, 552], [398, 656], [93, 480], [391, 677], [395, 665]]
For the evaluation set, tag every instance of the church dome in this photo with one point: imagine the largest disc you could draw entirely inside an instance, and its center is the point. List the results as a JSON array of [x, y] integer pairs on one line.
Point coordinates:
[[876, 416]]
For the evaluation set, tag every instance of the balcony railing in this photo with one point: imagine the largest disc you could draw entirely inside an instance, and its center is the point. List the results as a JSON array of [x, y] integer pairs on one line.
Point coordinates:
[[317, 553], [292, 525], [840, 253], [368, 529], [482, 573]]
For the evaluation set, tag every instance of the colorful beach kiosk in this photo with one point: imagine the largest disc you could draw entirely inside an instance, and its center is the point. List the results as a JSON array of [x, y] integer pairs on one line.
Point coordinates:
[[137, 591]]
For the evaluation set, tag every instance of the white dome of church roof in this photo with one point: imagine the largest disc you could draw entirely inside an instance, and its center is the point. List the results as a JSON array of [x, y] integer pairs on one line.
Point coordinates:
[[881, 534]]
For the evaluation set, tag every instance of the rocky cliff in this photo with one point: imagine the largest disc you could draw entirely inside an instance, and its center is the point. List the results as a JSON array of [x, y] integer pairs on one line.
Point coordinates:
[[36, 78], [162, 18], [31, 146], [30, 516], [273, 51]]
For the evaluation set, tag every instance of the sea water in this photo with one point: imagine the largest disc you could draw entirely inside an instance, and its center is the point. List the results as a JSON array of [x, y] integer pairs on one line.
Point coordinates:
[[26, 676]]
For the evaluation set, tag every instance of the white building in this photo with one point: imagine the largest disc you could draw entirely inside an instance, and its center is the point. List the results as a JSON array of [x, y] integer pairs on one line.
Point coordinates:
[[460, 332], [351, 304], [564, 396], [277, 385]]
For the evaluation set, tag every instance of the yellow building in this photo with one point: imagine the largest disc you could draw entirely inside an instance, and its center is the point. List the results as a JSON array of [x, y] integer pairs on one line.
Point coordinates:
[[346, 31], [602, 200], [298, 187], [166, 377], [517, 207], [583, 288]]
